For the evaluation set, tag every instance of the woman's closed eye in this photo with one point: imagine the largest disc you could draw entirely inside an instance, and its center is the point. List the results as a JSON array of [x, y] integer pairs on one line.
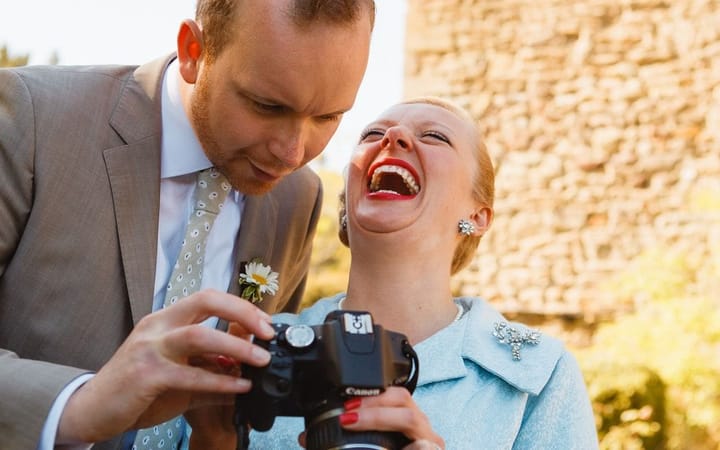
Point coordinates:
[[372, 135], [437, 135], [376, 134]]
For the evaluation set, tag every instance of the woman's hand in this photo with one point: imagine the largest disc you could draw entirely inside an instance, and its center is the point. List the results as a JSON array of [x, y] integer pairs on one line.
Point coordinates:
[[393, 410]]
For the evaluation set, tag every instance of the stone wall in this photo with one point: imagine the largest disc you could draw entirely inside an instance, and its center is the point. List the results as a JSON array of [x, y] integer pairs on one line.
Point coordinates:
[[603, 119]]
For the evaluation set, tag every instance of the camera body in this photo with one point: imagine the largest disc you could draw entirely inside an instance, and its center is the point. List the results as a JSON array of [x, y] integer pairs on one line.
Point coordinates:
[[313, 370]]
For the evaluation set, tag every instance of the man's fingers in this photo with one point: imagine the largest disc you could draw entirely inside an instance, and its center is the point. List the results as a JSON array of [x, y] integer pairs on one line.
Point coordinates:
[[167, 360], [196, 379], [217, 363], [193, 340], [211, 303], [212, 399]]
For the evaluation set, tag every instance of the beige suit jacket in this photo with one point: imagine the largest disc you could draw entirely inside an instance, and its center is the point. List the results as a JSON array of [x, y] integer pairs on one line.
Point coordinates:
[[79, 196]]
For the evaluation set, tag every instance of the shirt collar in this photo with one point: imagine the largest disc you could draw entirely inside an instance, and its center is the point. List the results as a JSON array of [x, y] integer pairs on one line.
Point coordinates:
[[181, 152], [471, 339]]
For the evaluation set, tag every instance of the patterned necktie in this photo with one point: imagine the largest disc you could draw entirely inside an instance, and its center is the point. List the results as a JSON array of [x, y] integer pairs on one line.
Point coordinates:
[[210, 193]]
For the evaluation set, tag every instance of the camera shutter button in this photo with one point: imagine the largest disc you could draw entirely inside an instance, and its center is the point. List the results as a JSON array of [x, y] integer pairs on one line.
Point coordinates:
[[299, 336]]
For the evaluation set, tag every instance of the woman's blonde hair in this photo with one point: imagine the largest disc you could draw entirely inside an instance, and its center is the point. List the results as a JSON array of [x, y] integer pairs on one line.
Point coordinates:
[[483, 183]]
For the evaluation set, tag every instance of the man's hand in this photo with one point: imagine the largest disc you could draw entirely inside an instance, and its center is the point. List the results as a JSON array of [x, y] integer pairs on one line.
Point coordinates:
[[160, 370]]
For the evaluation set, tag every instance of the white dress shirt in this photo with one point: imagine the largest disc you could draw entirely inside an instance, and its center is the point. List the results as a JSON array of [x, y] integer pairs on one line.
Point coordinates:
[[181, 158]]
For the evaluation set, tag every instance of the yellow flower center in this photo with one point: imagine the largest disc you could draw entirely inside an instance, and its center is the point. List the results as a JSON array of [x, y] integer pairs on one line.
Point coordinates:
[[259, 279]]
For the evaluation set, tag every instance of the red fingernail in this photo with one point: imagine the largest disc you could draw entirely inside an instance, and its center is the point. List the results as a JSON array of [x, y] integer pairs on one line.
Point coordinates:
[[353, 403], [225, 362], [348, 418]]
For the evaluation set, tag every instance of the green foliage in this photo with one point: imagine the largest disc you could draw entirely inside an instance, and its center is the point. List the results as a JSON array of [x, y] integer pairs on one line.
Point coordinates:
[[674, 333], [657, 275], [629, 405], [7, 61]]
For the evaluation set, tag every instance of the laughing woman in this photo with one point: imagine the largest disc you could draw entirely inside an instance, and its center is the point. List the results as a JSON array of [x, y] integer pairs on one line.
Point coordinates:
[[418, 198]]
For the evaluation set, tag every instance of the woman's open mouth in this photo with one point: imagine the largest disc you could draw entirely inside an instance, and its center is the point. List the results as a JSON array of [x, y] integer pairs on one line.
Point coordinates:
[[393, 177]]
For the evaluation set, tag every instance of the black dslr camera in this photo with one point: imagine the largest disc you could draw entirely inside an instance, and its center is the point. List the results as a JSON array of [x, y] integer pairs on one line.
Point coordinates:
[[313, 370]]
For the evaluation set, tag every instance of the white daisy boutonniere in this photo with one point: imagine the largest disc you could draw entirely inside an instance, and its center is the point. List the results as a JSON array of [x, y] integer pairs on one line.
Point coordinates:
[[257, 280]]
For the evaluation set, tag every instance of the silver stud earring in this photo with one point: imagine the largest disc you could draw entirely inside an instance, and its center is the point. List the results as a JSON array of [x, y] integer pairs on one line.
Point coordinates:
[[465, 227], [343, 221]]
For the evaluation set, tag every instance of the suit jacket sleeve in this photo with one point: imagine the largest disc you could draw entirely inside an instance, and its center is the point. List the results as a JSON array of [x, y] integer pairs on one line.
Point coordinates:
[[65, 298], [27, 387]]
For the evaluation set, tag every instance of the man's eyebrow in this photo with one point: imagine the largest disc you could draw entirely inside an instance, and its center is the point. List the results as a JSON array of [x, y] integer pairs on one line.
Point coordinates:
[[338, 112], [270, 101], [260, 98]]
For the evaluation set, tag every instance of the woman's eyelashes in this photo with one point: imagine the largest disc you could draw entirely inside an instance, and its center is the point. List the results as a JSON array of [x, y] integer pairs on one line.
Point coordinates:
[[437, 135], [372, 135], [376, 134]]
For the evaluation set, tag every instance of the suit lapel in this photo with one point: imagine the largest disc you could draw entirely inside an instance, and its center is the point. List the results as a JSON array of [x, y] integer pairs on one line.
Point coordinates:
[[134, 174], [136, 195]]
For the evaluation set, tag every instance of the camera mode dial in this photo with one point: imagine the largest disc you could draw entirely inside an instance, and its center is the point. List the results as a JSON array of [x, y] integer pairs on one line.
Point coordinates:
[[299, 336]]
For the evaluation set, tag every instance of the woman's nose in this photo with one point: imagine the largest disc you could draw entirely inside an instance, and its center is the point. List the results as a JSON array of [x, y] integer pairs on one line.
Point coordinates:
[[397, 137]]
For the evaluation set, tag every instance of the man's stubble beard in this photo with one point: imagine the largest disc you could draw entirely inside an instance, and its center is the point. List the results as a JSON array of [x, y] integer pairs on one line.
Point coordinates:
[[200, 113]]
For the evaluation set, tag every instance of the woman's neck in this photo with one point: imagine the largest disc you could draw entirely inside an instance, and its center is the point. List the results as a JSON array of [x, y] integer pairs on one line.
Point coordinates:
[[405, 294]]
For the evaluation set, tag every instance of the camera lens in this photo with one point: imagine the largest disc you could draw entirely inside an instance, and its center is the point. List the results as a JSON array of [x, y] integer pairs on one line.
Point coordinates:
[[325, 433]]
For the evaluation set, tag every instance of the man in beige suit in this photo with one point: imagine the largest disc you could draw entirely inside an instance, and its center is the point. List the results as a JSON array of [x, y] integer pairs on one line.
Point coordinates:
[[97, 169]]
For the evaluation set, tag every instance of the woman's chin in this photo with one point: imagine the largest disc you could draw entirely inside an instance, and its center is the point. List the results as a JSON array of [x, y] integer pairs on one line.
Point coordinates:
[[384, 225]]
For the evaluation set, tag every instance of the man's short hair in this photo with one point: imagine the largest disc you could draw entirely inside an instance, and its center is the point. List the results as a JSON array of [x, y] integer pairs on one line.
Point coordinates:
[[217, 17]]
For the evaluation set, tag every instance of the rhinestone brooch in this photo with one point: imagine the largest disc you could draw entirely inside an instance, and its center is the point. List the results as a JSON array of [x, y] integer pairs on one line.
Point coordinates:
[[515, 338]]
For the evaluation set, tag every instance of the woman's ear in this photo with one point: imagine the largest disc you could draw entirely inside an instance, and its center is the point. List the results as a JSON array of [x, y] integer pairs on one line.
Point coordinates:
[[189, 50], [482, 220]]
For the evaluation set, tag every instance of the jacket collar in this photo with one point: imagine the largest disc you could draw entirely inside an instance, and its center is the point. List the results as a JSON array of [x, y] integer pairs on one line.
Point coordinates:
[[134, 171], [471, 339]]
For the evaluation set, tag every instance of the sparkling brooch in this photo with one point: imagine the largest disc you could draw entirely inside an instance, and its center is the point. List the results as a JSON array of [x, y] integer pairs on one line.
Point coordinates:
[[515, 338]]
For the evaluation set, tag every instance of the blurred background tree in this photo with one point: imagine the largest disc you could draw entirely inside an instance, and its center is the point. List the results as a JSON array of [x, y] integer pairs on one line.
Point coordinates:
[[672, 341], [654, 374], [6, 60]]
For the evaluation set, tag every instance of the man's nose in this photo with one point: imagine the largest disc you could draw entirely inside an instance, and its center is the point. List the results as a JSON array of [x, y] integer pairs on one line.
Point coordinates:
[[289, 146]]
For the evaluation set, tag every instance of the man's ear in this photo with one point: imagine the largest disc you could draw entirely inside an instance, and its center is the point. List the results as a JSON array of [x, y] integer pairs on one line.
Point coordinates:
[[189, 50], [482, 219]]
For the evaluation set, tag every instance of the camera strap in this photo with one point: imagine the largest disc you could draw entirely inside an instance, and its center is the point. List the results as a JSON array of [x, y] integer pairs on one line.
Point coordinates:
[[415, 373]]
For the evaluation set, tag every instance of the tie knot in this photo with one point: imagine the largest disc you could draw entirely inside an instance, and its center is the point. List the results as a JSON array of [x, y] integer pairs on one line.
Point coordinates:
[[211, 190]]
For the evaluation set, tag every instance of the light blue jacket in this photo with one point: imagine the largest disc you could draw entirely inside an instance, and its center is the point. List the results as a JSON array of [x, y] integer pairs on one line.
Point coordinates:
[[475, 395]]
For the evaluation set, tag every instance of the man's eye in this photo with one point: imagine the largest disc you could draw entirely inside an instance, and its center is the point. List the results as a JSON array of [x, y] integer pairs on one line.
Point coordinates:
[[330, 118], [371, 135], [268, 108], [437, 135]]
